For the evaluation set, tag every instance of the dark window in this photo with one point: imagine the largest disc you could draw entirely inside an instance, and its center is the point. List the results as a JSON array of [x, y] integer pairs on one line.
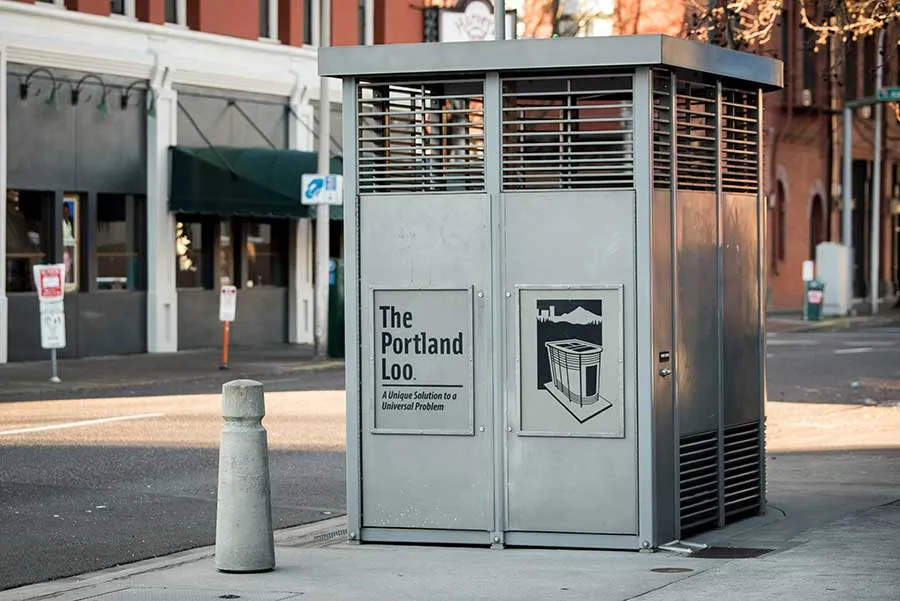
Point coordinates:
[[171, 11], [870, 49], [307, 21], [362, 22], [117, 7], [120, 248], [851, 80], [264, 18], [28, 235], [809, 61], [192, 253], [265, 253]]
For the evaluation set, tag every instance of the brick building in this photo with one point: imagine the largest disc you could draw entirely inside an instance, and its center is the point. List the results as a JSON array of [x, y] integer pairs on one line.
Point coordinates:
[[119, 122], [802, 174]]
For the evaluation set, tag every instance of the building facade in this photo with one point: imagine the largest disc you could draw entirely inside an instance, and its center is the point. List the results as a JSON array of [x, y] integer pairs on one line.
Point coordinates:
[[131, 132]]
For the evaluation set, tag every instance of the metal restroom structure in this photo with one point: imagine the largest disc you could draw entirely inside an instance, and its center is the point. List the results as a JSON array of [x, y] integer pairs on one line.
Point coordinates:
[[555, 289]]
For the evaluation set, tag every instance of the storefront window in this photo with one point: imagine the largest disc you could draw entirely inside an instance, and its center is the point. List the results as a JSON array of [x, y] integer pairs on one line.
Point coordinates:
[[190, 254], [70, 238], [120, 253], [265, 254], [226, 254], [27, 236]]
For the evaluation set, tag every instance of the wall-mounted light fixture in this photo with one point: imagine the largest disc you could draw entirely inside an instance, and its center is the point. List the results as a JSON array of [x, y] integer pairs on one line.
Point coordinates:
[[24, 87], [103, 105], [126, 96]]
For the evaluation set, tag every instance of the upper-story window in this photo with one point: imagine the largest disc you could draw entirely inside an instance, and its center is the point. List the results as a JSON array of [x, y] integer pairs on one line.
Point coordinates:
[[126, 8], [308, 26], [268, 19], [176, 12]]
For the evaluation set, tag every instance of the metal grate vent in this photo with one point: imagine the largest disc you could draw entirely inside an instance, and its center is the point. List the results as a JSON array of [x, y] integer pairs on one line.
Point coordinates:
[[695, 115], [421, 136], [699, 477], [662, 129], [740, 141], [742, 470], [568, 132]]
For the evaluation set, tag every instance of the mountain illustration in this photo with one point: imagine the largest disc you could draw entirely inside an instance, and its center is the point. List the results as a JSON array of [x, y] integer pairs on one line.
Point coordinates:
[[578, 316]]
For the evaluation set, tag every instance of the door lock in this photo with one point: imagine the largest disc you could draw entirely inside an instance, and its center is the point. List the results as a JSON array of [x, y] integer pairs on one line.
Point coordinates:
[[665, 372]]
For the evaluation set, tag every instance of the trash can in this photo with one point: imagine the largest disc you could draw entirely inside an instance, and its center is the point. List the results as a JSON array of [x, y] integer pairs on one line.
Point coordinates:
[[336, 309], [813, 299]]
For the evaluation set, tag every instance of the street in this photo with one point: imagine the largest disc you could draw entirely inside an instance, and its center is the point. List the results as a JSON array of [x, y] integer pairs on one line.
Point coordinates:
[[123, 474], [855, 366], [80, 492]]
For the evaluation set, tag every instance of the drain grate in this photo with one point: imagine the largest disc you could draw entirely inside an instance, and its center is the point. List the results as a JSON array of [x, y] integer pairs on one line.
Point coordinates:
[[729, 553], [671, 570]]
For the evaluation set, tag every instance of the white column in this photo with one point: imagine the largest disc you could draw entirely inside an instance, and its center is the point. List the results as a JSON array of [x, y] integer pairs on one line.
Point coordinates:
[[4, 328], [300, 279], [162, 298]]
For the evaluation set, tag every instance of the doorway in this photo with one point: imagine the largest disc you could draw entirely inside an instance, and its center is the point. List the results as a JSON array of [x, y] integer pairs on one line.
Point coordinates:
[[817, 225]]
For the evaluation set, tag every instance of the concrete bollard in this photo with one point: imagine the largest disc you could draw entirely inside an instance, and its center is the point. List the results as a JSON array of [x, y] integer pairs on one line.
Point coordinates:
[[244, 537]]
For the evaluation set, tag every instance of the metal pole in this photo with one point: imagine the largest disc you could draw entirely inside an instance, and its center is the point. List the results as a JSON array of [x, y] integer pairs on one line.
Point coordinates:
[[54, 377], [322, 215], [847, 219], [874, 275], [500, 19]]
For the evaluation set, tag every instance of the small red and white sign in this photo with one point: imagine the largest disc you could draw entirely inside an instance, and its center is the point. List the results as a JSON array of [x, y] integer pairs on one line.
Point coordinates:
[[49, 280], [227, 303]]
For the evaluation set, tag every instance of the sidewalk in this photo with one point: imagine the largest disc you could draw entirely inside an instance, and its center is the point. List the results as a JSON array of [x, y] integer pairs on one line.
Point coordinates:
[[22, 380], [832, 532]]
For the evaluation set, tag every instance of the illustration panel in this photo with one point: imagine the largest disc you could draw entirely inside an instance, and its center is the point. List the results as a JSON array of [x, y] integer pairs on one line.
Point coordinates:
[[571, 362], [423, 361]]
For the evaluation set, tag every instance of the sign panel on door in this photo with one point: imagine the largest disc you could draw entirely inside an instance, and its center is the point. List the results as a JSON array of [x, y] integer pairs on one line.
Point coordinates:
[[423, 361], [571, 362]]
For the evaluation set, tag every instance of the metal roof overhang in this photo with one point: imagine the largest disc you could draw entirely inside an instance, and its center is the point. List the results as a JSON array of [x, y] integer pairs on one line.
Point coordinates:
[[627, 52]]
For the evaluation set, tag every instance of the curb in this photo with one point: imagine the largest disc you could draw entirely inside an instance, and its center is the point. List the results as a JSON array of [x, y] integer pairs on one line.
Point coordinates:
[[846, 323], [313, 534], [42, 388]]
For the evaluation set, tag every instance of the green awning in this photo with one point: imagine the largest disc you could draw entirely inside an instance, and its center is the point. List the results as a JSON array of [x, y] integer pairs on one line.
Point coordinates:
[[253, 182]]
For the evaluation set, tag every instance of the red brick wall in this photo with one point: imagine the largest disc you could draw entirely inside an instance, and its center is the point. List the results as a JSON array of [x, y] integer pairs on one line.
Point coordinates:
[[237, 18], [290, 22], [399, 22], [94, 7], [345, 22], [151, 11]]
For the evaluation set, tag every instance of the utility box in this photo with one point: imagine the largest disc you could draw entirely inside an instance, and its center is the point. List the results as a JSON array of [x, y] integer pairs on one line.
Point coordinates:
[[833, 267], [555, 280]]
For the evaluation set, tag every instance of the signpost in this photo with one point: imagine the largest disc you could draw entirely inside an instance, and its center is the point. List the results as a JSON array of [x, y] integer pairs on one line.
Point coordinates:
[[889, 94], [227, 313], [49, 281]]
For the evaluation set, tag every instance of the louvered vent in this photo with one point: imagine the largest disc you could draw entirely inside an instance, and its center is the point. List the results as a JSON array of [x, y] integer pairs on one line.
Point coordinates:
[[742, 470], [740, 141], [662, 129], [696, 136], [699, 476], [568, 132], [421, 136]]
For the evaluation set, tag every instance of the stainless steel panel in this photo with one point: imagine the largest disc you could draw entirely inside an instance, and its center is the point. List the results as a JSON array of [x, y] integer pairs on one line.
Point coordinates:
[[665, 439], [572, 541], [697, 343], [426, 481], [741, 309], [566, 484], [556, 55]]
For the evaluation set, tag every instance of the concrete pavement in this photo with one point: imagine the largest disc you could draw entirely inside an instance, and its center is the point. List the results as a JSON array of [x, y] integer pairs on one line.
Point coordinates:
[[30, 380], [832, 532]]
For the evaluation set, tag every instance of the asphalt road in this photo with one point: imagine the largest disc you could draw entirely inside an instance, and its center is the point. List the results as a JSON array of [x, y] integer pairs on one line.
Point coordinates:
[[860, 366], [77, 497]]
